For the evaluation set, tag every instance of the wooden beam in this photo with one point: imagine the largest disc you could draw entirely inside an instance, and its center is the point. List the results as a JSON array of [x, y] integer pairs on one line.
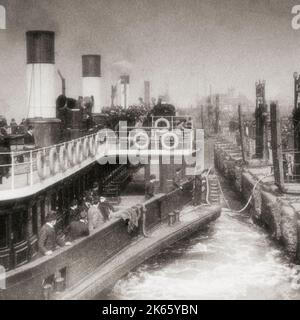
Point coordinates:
[[277, 146], [241, 129]]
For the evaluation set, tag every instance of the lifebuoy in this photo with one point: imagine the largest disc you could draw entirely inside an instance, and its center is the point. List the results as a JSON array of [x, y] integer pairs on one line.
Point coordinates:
[[171, 135], [163, 120], [78, 152], [86, 150], [53, 161], [63, 158], [92, 146], [40, 163], [71, 154]]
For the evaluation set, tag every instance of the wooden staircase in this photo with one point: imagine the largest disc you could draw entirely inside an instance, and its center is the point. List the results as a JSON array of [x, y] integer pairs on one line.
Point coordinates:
[[214, 196], [115, 182]]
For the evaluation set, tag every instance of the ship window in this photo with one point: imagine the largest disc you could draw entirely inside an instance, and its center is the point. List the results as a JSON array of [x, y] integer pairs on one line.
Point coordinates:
[[3, 231], [34, 220], [19, 226]]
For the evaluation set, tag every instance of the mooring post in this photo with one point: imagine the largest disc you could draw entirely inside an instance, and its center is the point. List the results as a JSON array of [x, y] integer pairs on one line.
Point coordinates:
[[259, 119], [265, 133], [276, 146], [241, 128], [296, 122]]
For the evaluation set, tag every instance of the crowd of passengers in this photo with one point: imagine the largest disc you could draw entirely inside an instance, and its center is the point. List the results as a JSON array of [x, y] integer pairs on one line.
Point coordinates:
[[92, 212], [85, 217]]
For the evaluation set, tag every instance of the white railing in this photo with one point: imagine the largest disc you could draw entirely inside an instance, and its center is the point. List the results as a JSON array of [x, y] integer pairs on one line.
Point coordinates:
[[24, 168]]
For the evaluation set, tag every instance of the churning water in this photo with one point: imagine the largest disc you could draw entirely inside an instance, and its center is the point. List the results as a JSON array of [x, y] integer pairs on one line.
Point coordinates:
[[231, 259]]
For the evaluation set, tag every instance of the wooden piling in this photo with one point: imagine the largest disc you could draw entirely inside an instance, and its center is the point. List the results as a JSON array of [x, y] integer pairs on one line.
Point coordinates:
[[241, 129], [259, 119], [277, 146]]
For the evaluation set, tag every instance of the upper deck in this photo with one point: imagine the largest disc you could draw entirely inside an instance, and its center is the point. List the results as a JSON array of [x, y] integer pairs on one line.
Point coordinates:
[[30, 171]]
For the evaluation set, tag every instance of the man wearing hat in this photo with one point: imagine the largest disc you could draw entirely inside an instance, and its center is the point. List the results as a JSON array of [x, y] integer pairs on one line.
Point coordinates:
[[94, 216], [105, 208], [150, 187], [79, 228], [47, 236]]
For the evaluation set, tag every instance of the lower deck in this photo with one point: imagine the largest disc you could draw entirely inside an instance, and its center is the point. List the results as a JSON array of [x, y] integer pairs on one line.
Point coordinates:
[[22, 219]]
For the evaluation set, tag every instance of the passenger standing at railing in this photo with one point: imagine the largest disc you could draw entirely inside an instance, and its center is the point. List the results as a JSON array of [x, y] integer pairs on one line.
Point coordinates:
[[13, 125], [150, 187], [177, 179], [47, 236], [29, 137], [105, 208], [94, 216], [79, 228], [74, 210], [87, 200]]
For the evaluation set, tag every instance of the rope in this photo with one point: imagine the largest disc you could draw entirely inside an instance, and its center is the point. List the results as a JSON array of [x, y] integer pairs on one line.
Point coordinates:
[[207, 186], [250, 198]]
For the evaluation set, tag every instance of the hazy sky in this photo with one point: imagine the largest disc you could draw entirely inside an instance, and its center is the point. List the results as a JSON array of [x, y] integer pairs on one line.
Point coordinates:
[[182, 45]]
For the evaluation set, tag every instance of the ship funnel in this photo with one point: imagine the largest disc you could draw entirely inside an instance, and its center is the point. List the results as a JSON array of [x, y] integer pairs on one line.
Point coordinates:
[[91, 79], [123, 93], [40, 74]]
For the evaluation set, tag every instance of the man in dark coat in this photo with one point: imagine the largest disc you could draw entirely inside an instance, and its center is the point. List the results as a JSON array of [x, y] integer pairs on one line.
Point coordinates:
[[79, 228], [105, 208], [177, 180], [47, 236], [29, 137], [150, 187]]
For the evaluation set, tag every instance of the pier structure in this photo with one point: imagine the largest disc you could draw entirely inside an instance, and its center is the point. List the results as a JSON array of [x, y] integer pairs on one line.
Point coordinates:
[[273, 188], [261, 122]]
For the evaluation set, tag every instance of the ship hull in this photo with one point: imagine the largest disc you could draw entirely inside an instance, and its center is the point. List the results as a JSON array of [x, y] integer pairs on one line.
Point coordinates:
[[88, 256]]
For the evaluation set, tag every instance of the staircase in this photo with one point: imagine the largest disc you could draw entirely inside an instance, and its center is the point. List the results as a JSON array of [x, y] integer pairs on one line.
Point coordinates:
[[214, 190], [115, 182]]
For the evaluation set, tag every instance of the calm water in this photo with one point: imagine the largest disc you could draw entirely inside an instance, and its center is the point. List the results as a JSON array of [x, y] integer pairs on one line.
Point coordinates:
[[232, 259]]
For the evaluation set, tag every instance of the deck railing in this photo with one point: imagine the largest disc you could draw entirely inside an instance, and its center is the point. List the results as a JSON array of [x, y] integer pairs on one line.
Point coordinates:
[[28, 167]]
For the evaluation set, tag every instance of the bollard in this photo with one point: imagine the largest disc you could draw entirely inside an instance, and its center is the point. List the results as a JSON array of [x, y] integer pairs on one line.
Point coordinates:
[[177, 217], [47, 291], [171, 216], [59, 284]]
